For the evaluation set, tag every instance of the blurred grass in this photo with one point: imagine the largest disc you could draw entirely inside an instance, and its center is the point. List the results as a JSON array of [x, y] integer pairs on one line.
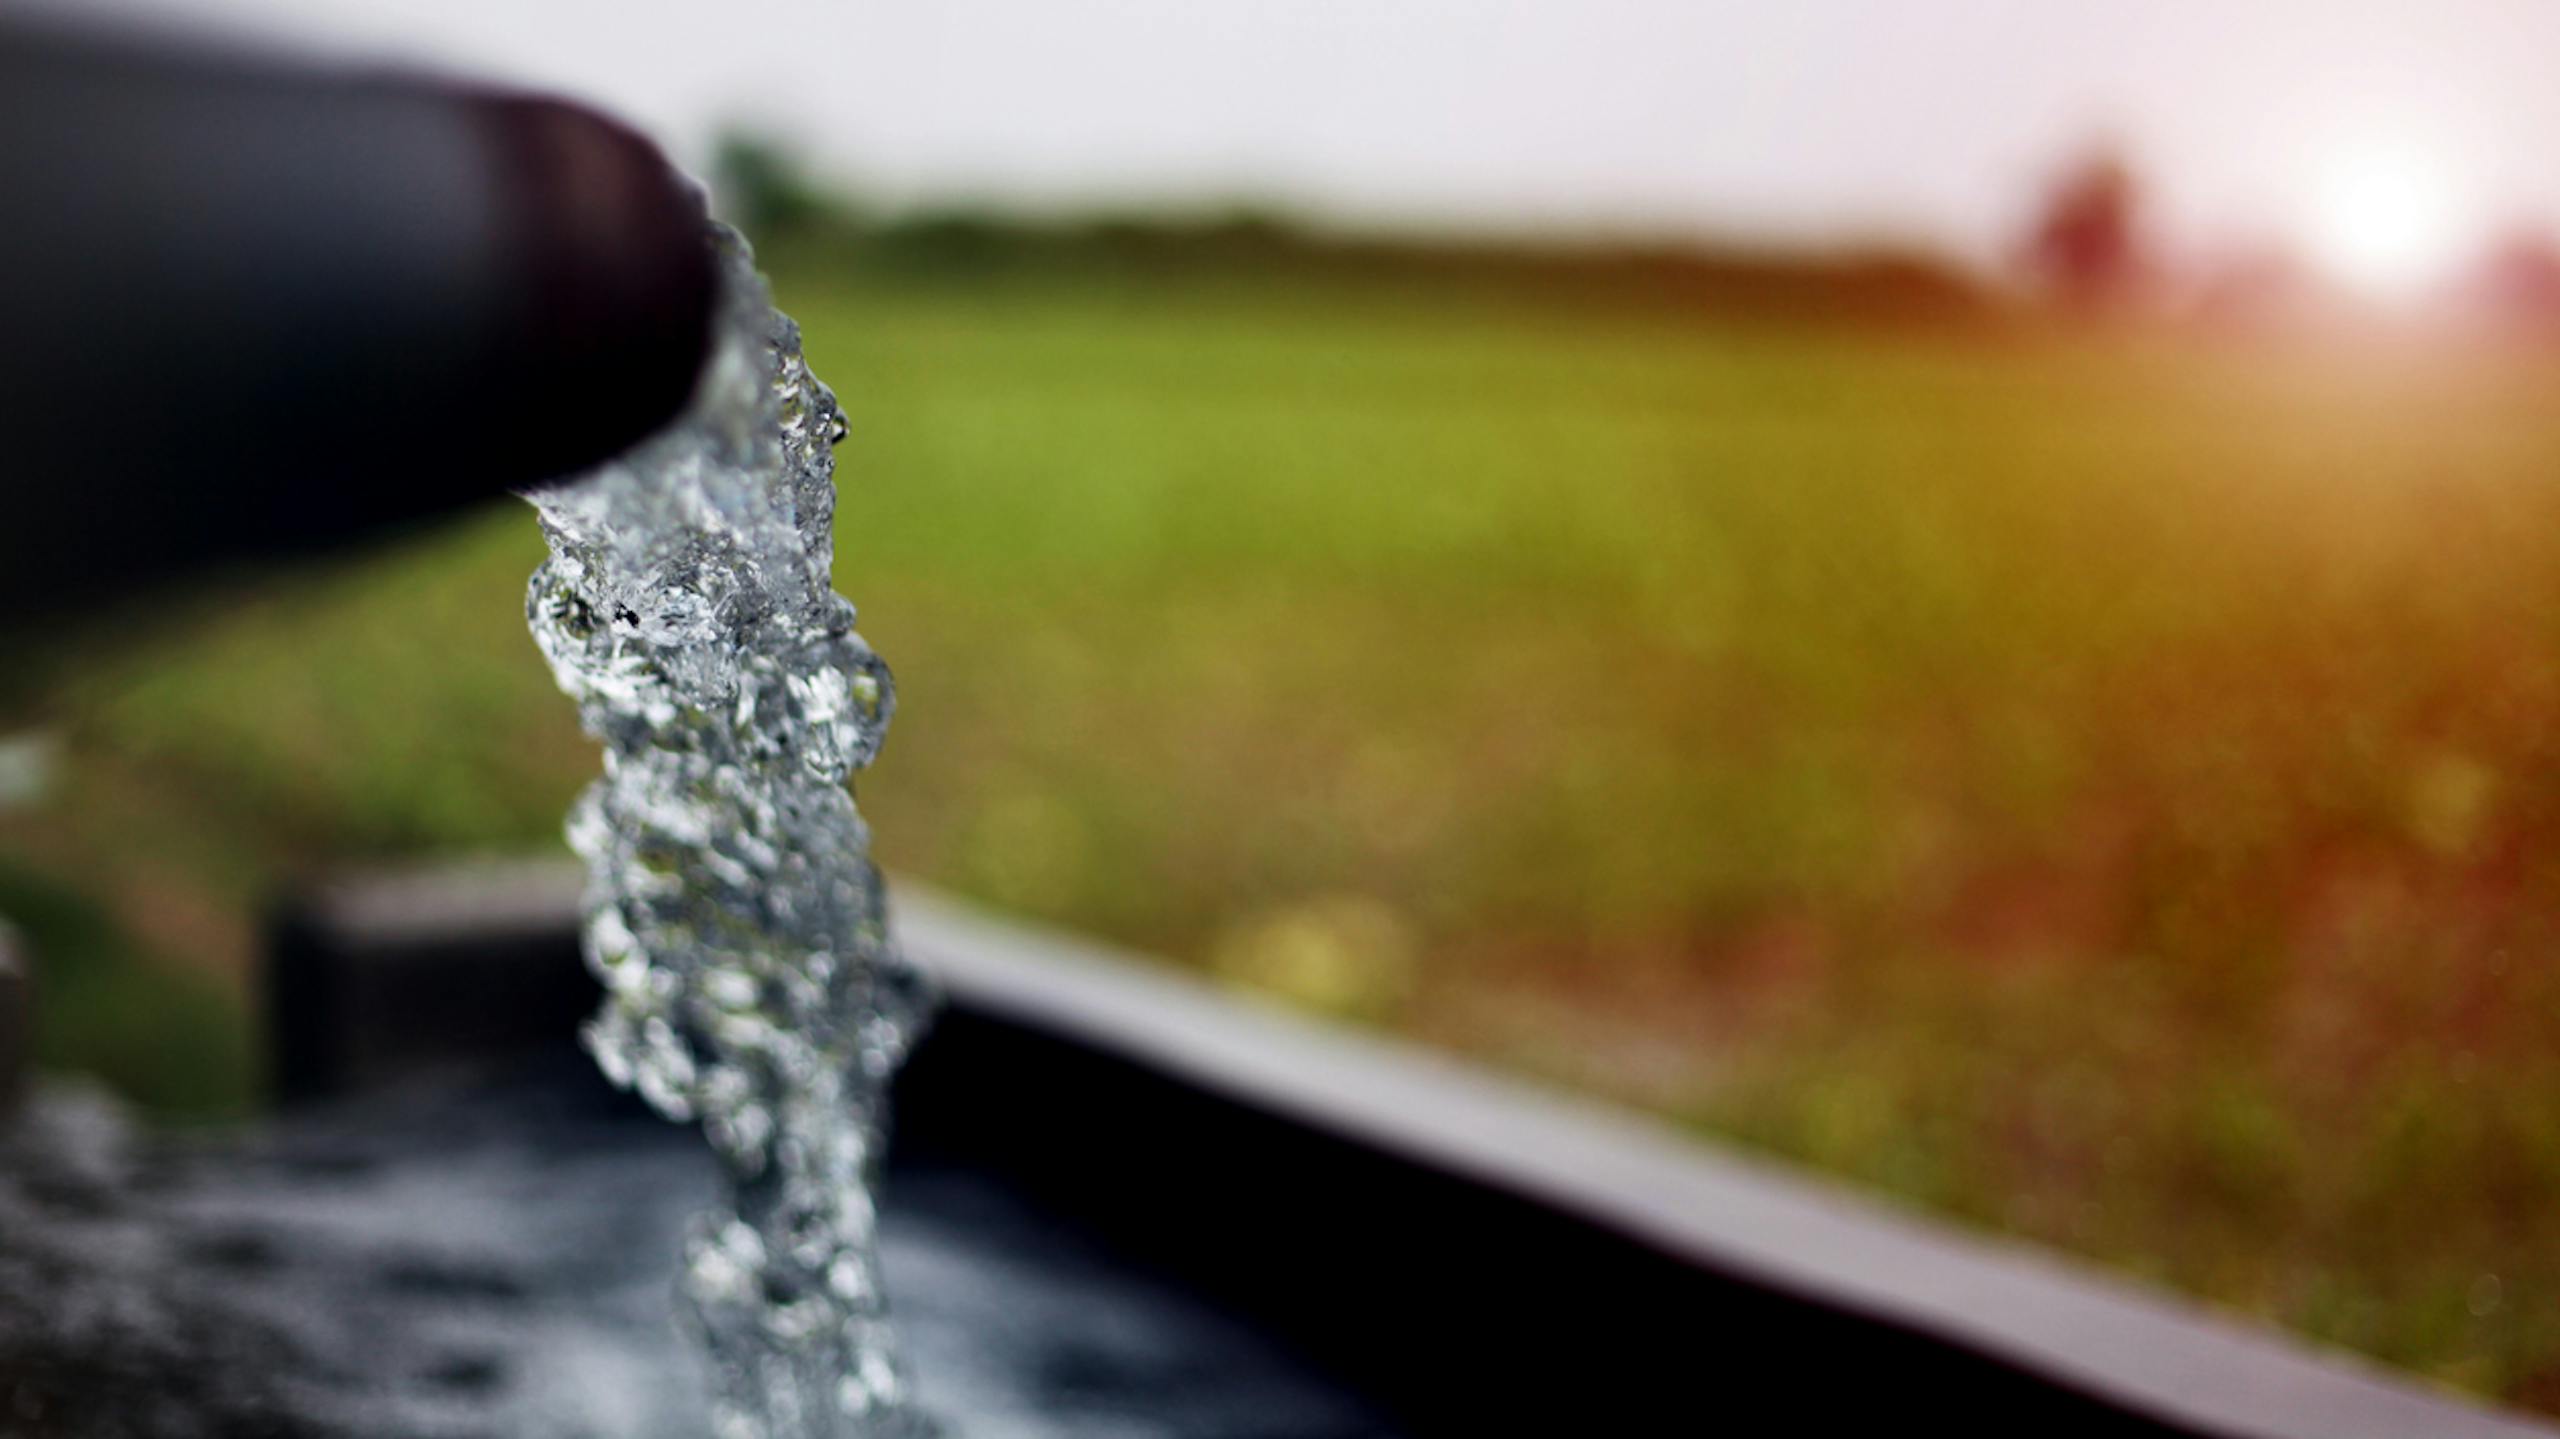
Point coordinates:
[[170, 1038], [2100, 790]]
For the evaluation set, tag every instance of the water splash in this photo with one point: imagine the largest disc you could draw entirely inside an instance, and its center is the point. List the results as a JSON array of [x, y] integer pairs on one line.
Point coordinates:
[[733, 913]]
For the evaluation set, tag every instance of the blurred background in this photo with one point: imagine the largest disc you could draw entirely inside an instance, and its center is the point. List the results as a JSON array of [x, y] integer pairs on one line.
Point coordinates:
[[1966, 594]]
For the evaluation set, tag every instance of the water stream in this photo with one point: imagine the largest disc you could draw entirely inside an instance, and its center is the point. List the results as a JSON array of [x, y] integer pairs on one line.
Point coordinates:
[[733, 914]]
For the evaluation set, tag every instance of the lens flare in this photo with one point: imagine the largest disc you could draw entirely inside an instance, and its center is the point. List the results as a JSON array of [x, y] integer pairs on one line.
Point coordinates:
[[2386, 223]]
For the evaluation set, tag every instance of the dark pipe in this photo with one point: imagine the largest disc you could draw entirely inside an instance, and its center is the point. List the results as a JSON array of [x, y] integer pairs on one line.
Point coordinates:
[[251, 308]]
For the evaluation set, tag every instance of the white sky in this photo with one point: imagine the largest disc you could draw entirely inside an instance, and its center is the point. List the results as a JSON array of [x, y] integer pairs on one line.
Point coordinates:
[[1755, 118]]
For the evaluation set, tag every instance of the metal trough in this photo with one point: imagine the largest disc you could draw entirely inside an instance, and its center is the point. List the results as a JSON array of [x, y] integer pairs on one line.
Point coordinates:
[[1450, 1251]]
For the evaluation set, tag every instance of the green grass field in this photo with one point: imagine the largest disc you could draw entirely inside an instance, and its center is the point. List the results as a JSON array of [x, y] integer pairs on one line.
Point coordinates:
[[2106, 792]]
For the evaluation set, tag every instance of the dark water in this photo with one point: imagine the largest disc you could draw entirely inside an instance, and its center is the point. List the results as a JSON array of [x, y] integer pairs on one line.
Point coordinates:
[[496, 1260]]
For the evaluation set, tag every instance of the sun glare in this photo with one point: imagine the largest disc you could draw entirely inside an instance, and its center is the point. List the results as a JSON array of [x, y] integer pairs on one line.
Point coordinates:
[[2386, 224]]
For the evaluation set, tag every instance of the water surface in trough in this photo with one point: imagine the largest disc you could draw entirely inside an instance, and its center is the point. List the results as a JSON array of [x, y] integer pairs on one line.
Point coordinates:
[[490, 1258]]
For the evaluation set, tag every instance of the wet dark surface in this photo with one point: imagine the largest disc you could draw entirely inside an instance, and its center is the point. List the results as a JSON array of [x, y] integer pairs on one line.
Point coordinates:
[[496, 1258]]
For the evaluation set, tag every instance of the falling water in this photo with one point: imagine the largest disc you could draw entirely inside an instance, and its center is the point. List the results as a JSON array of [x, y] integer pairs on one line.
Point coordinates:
[[733, 914]]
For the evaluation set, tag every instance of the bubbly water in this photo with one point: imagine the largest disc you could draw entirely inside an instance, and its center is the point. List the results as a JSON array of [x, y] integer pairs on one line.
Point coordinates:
[[733, 914]]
